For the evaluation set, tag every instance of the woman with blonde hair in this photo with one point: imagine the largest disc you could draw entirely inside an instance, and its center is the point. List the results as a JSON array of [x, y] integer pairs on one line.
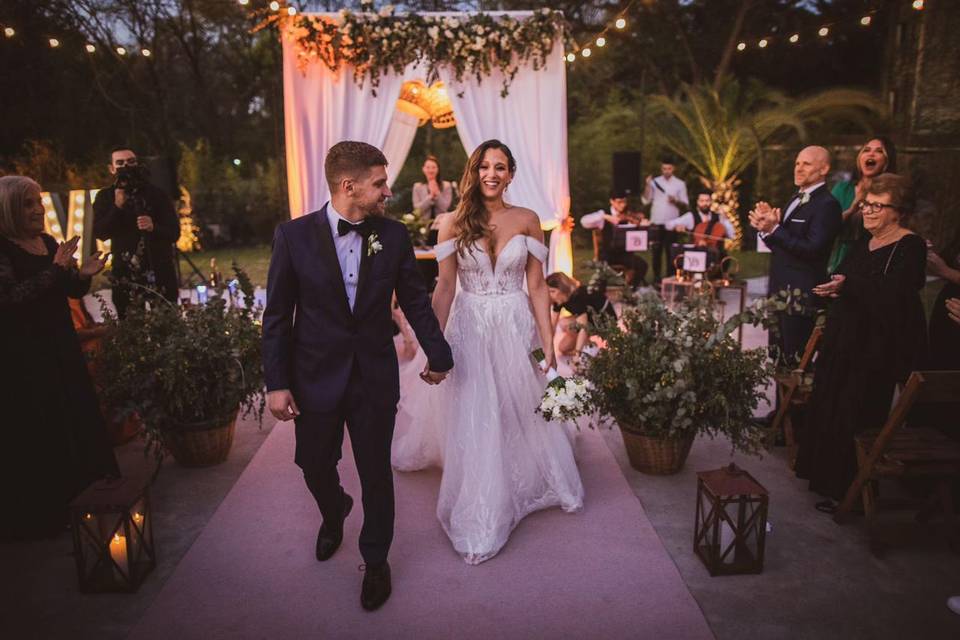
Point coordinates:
[[582, 305], [501, 461], [55, 442]]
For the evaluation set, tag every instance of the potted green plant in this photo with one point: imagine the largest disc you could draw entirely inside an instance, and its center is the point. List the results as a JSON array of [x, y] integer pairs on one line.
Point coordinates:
[[187, 371], [665, 376], [605, 278]]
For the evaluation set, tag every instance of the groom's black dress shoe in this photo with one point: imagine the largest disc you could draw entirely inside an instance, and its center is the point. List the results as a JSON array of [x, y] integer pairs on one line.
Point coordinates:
[[376, 586], [330, 537]]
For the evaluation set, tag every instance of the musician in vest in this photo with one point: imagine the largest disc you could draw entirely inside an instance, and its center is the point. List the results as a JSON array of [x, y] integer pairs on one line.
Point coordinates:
[[709, 228], [605, 221], [667, 196], [800, 240]]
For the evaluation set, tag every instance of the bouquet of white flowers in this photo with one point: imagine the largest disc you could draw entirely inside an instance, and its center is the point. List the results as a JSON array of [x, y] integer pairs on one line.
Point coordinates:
[[564, 398]]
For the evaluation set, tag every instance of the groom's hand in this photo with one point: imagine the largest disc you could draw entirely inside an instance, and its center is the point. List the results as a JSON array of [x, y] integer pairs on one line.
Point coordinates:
[[432, 377], [282, 405]]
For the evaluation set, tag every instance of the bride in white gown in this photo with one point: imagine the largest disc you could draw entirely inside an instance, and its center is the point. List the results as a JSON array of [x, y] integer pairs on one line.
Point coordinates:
[[501, 460]]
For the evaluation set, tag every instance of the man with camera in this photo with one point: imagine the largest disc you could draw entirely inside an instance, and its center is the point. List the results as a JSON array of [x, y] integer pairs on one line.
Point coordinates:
[[139, 220]]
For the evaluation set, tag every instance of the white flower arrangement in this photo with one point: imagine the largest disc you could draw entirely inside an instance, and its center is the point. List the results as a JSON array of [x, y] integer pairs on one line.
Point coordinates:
[[376, 42], [564, 399]]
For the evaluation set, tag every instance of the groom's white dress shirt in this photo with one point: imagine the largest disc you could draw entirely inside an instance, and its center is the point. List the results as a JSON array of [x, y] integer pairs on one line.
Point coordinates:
[[348, 249]]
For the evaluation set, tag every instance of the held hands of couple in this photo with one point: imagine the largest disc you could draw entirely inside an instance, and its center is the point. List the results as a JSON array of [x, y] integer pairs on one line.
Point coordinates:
[[432, 377], [282, 405], [830, 289]]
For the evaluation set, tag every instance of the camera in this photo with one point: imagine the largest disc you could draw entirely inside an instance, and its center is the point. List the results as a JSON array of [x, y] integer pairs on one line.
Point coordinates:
[[132, 178]]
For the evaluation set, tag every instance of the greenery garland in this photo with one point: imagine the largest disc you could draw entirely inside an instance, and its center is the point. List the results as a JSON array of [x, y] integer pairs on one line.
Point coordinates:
[[374, 43]]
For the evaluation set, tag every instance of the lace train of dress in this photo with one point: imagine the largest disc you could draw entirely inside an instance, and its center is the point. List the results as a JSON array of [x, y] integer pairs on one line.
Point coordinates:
[[501, 461]]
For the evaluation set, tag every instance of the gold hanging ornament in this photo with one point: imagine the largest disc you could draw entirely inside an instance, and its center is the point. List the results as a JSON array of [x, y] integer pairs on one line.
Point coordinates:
[[441, 109], [414, 100]]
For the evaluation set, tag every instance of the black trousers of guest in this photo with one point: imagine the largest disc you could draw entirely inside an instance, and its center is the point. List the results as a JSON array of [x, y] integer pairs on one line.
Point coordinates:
[[795, 331], [319, 449], [660, 253]]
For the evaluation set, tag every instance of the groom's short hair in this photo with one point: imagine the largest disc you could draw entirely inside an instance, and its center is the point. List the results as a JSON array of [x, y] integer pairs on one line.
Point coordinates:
[[350, 159]]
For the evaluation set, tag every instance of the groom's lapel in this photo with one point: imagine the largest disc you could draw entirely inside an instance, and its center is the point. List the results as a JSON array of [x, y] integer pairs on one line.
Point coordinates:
[[366, 260], [328, 255]]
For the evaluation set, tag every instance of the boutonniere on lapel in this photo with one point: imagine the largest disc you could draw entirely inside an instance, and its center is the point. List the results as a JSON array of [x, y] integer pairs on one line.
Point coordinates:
[[804, 198], [373, 244]]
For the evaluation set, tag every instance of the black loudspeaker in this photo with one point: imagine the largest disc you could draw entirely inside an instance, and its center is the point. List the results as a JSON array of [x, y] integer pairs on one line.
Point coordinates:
[[626, 171], [163, 174]]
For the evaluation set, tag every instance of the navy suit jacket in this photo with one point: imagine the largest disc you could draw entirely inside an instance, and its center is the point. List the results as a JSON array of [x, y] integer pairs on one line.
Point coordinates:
[[801, 246], [311, 338]]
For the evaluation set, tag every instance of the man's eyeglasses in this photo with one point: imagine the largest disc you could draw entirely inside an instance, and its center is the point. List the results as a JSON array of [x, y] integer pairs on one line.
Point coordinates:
[[875, 207], [125, 162]]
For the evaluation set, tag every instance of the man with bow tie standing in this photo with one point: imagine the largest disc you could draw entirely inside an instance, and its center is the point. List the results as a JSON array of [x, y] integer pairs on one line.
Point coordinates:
[[800, 240], [328, 353]]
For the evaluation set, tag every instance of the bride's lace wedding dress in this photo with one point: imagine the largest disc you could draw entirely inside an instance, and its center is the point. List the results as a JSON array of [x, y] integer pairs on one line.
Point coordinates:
[[501, 460]]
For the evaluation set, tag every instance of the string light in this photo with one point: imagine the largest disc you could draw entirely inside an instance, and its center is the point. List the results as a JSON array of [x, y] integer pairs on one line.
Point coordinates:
[[274, 6], [146, 53], [243, 3], [795, 38], [741, 46], [9, 32], [918, 5], [54, 43], [571, 57], [90, 48], [763, 43], [291, 11], [620, 23], [121, 51], [823, 32], [586, 52], [866, 20], [601, 41]]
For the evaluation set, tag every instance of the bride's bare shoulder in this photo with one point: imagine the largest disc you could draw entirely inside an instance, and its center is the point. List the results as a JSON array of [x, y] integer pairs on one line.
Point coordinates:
[[445, 226], [529, 222]]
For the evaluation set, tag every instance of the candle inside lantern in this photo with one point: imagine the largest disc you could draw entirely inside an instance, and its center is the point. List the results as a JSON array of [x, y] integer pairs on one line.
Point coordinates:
[[118, 551]]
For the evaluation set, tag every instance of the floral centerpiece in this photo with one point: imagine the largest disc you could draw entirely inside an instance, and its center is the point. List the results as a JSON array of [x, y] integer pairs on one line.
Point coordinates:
[[417, 226], [187, 371], [666, 376]]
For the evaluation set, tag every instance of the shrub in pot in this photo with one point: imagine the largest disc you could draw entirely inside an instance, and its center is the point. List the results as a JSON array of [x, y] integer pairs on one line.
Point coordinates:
[[187, 371], [666, 376]]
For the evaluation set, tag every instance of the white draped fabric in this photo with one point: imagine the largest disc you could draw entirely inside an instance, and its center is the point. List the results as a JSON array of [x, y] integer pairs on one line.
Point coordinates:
[[532, 121], [322, 108]]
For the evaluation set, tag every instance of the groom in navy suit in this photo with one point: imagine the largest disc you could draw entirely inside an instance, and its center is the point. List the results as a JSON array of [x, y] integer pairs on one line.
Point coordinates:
[[800, 240], [328, 351]]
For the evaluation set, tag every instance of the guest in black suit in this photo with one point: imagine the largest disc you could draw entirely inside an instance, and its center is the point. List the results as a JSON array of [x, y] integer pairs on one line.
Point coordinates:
[[800, 240], [328, 352]]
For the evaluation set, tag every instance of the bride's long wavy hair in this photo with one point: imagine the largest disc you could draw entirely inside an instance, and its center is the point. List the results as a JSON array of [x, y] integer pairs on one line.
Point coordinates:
[[471, 218]]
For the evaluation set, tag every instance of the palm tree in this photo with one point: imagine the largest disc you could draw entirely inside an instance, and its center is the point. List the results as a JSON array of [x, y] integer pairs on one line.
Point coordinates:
[[720, 133]]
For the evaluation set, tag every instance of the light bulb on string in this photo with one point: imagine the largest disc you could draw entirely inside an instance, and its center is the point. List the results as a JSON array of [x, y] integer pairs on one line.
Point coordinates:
[[866, 20], [121, 51], [741, 46], [291, 11], [795, 38], [90, 48], [601, 41], [586, 52], [274, 6], [620, 23], [571, 57], [9, 32], [918, 5], [54, 43], [243, 3], [823, 32], [146, 53], [763, 43]]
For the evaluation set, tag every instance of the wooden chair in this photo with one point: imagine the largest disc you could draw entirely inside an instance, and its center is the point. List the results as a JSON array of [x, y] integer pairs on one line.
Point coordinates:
[[915, 452], [794, 392]]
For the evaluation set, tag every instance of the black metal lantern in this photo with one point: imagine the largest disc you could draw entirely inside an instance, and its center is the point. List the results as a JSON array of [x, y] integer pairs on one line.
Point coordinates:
[[113, 535], [731, 526]]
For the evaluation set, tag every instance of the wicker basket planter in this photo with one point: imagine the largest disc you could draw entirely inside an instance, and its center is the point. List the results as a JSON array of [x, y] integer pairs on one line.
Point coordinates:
[[201, 444], [656, 456]]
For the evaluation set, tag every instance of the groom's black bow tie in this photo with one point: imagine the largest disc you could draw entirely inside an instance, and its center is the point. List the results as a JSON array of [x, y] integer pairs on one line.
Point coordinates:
[[344, 227]]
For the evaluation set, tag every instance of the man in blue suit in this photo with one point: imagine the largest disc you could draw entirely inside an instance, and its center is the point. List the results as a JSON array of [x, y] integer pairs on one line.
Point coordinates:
[[328, 352], [800, 240]]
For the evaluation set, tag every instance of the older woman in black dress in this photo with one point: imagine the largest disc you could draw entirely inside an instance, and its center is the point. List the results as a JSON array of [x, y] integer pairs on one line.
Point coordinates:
[[874, 336], [54, 438]]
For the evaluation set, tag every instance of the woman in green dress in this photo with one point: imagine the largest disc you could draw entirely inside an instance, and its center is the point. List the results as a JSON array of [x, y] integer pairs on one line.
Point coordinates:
[[877, 156]]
